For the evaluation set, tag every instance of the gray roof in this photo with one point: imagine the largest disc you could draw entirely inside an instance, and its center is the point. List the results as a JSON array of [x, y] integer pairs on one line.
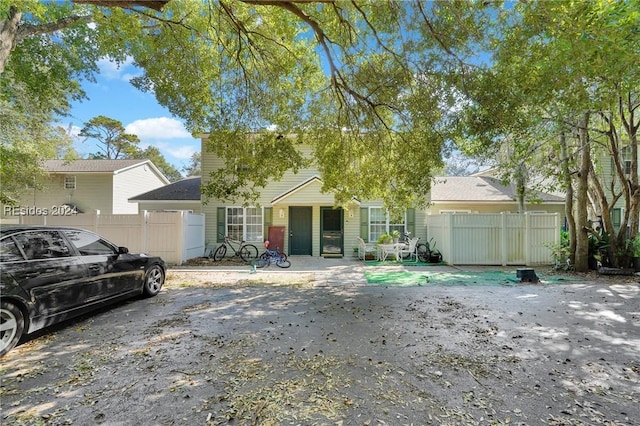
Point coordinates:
[[479, 189], [89, 166], [183, 190]]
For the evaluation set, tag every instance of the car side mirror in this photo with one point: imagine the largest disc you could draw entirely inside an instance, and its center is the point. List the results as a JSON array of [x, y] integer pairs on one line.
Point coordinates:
[[123, 250]]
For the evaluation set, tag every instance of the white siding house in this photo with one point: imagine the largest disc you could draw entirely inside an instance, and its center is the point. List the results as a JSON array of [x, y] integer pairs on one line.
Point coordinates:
[[310, 221], [90, 185]]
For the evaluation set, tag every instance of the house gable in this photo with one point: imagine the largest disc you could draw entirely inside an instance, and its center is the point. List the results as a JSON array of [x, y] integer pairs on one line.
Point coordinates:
[[308, 191]]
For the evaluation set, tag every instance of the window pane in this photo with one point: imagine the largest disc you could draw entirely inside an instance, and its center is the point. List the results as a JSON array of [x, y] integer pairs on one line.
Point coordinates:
[[616, 217], [254, 224], [70, 182], [235, 219], [43, 244], [89, 244], [9, 251], [377, 223]]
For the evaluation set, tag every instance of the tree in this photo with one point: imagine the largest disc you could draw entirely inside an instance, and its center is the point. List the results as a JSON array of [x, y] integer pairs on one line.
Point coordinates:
[[152, 153], [114, 142], [234, 69], [376, 88], [195, 165], [563, 77]]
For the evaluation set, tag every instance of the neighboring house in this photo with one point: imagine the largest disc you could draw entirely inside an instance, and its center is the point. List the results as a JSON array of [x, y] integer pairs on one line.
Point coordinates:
[[611, 183], [90, 185], [303, 220], [485, 194], [181, 195]]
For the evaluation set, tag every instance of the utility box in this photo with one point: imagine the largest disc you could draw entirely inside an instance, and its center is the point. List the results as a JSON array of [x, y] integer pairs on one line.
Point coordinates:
[[527, 275]]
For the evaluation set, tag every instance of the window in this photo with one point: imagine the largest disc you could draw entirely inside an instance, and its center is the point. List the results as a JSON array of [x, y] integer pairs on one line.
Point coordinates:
[[89, 244], [69, 182], [616, 217], [43, 245], [9, 251], [627, 167], [245, 223], [379, 224]]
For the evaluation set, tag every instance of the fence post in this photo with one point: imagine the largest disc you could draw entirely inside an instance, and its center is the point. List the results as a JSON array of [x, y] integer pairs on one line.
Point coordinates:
[[144, 227], [504, 255], [184, 231], [527, 239], [96, 222], [450, 237]]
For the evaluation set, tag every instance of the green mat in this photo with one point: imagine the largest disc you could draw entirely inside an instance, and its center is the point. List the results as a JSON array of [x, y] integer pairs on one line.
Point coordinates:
[[486, 278], [396, 262]]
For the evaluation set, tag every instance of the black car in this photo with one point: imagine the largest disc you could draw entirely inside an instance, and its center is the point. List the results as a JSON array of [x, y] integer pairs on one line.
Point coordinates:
[[49, 274]]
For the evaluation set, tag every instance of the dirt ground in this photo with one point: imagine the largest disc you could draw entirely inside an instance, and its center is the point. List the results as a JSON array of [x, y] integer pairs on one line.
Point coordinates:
[[229, 348]]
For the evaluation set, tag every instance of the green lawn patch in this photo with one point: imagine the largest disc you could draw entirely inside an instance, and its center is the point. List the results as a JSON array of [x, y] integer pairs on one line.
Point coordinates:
[[425, 278], [398, 263]]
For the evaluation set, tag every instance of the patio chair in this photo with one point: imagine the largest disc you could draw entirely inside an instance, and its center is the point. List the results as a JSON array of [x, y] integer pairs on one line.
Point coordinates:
[[364, 249], [410, 251]]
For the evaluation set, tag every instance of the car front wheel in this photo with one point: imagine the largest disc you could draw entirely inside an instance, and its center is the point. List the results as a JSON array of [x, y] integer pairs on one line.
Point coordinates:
[[11, 326], [153, 280]]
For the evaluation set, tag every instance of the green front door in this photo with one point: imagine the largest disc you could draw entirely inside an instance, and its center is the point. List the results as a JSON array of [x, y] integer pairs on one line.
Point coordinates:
[[300, 241]]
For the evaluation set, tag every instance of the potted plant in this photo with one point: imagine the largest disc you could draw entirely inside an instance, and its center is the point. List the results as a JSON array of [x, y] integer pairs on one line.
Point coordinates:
[[395, 235], [385, 239]]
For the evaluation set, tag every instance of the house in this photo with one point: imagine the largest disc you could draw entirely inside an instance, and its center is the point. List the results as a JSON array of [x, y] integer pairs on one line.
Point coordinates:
[[486, 194], [302, 220], [611, 182], [90, 185], [181, 195]]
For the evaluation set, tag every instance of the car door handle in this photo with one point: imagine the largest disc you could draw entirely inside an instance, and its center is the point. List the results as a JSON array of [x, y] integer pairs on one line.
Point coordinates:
[[94, 268]]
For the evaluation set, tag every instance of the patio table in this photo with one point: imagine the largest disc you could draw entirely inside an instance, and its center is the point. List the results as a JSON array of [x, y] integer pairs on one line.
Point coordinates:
[[384, 250]]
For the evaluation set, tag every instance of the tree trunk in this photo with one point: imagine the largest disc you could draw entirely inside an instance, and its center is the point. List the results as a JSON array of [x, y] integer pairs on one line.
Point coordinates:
[[565, 178], [582, 236], [8, 33], [631, 125]]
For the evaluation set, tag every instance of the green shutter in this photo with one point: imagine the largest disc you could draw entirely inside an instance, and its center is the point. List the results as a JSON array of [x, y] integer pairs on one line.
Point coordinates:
[[221, 230], [411, 222], [267, 222], [364, 224], [616, 217]]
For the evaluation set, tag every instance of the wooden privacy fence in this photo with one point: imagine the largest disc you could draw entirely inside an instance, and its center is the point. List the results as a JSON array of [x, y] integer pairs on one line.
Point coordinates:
[[495, 238], [174, 236]]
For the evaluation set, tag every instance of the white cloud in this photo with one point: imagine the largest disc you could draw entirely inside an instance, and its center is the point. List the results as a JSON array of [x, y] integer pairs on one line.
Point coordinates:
[[181, 152], [111, 70], [73, 131], [158, 128]]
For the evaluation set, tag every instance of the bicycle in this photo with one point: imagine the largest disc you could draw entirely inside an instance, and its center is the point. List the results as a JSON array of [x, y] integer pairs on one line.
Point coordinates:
[[245, 251], [423, 249], [272, 256]]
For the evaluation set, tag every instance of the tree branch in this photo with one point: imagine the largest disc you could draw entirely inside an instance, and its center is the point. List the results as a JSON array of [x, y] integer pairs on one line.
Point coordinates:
[[125, 4]]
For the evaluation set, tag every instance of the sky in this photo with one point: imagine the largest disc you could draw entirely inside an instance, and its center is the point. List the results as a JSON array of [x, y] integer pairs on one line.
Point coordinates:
[[113, 96]]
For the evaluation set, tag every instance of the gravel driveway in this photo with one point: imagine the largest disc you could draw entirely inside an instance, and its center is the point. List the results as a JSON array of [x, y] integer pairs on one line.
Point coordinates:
[[221, 348]]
